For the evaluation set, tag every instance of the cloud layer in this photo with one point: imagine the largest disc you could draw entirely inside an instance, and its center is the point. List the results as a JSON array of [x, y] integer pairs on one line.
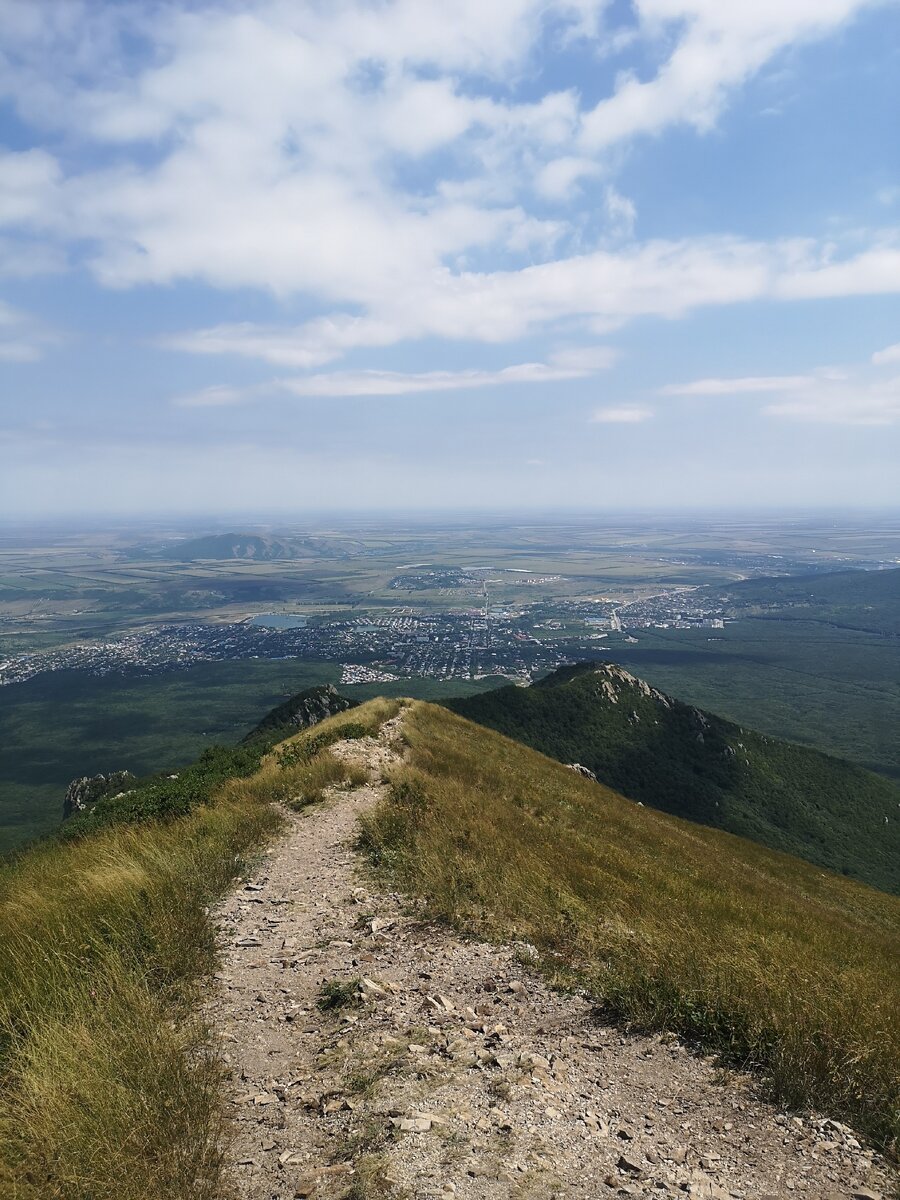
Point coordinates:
[[382, 160]]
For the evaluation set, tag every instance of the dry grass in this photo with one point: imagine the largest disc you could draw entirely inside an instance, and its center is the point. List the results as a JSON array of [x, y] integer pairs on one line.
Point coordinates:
[[108, 1088], [776, 964], [299, 770]]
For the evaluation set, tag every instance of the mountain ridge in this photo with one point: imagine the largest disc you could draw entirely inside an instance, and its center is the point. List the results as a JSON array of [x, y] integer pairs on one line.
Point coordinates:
[[692, 763]]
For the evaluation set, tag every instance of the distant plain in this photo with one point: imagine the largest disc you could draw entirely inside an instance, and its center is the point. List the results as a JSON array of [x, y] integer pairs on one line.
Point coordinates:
[[814, 682]]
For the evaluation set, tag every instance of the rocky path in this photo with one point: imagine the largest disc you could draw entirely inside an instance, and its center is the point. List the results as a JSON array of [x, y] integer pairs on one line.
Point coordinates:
[[446, 1068]]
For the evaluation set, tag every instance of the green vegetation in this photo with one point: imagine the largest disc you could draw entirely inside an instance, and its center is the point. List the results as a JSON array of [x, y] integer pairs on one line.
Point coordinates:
[[693, 764], [302, 710], [109, 1089], [835, 689], [868, 600], [169, 796], [338, 993], [305, 764], [56, 727], [765, 959]]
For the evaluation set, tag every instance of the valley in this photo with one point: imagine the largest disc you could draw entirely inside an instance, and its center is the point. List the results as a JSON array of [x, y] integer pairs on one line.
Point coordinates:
[[136, 653]]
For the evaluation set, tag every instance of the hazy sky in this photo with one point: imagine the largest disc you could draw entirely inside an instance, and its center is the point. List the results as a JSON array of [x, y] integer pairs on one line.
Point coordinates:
[[274, 254]]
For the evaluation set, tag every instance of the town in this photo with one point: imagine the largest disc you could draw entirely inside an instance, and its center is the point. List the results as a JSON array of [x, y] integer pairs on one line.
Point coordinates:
[[519, 641]]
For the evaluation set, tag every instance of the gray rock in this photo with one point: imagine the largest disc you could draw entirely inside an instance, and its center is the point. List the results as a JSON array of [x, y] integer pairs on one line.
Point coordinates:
[[579, 769], [82, 794]]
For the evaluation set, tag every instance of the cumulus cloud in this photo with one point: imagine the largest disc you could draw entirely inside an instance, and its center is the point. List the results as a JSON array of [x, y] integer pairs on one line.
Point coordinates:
[[716, 47], [604, 288], [270, 145]]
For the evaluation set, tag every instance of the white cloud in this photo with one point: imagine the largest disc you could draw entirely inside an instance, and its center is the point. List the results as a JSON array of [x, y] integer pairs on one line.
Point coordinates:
[[23, 339], [854, 401], [871, 272], [29, 187], [560, 177], [737, 387], [310, 345], [620, 211], [400, 383], [855, 395], [363, 156], [629, 414], [605, 288], [265, 146], [716, 47]]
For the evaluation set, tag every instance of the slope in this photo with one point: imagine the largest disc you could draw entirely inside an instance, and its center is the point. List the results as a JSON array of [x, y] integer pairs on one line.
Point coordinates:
[[667, 924], [694, 764], [376, 1054]]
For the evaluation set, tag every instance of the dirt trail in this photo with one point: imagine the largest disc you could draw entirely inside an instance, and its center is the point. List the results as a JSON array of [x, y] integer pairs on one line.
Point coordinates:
[[453, 1071]]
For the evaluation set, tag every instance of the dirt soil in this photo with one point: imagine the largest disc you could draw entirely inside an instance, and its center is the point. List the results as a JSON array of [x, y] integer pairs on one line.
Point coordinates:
[[447, 1068]]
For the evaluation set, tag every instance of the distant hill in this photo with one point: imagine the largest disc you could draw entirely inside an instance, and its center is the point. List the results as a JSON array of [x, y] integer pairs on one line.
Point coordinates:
[[868, 600], [253, 547], [302, 711], [693, 764]]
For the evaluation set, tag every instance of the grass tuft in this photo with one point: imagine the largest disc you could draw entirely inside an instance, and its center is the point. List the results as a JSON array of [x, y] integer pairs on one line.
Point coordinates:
[[338, 993]]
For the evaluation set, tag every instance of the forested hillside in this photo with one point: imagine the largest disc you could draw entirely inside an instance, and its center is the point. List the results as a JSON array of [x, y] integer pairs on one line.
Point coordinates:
[[694, 764]]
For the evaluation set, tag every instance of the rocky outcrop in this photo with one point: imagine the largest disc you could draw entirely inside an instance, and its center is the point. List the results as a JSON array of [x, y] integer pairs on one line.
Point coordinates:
[[82, 794], [582, 770], [305, 710]]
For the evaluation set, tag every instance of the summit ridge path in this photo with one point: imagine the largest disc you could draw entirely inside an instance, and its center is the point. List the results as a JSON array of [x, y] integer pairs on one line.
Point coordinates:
[[449, 1069]]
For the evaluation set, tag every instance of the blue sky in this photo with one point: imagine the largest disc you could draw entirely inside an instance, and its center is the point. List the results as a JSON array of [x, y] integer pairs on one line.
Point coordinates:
[[442, 253]]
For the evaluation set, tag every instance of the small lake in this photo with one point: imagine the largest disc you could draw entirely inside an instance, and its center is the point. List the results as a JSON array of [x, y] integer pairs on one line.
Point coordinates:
[[279, 620]]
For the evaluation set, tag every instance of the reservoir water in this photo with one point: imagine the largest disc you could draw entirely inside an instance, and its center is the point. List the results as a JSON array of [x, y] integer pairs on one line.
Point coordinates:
[[279, 620]]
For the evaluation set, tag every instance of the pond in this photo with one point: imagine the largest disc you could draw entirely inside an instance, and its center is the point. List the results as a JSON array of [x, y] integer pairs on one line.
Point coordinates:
[[279, 620]]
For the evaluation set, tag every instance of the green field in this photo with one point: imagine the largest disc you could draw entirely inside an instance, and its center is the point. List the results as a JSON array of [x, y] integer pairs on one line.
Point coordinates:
[[56, 727]]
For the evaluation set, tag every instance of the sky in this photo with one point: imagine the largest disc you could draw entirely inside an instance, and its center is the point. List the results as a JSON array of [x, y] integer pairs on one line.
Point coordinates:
[[284, 255]]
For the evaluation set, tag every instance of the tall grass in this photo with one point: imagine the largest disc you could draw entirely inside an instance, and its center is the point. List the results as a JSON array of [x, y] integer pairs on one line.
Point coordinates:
[[776, 964], [108, 1088]]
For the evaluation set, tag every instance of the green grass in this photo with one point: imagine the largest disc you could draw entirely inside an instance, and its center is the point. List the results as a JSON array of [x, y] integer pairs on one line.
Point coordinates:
[[775, 964], [338, 993], [109, 1088], [691, 764]]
